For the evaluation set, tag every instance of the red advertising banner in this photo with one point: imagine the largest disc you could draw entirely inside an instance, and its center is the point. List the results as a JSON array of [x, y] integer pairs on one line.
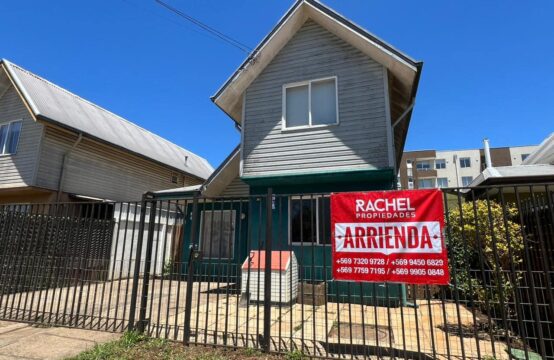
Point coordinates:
[[389, 236]]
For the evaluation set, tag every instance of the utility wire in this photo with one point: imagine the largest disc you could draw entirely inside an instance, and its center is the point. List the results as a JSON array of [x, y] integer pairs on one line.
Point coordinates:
[[229, 40]]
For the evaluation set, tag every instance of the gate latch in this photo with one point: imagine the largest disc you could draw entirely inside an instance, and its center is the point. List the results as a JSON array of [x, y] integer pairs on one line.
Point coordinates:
[[195, 254]]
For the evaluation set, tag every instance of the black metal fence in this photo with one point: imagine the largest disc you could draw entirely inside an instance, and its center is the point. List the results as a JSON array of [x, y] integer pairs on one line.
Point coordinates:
[[195, 270]]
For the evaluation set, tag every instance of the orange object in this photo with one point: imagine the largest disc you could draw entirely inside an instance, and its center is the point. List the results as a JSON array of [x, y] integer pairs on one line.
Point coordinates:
[[279, 260]]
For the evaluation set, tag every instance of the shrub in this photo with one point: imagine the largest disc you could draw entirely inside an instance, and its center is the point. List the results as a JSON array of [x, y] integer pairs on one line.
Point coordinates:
[[484, 236]]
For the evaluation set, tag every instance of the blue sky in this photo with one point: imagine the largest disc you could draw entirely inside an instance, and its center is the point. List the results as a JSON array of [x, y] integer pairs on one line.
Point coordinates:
[[489, 65]]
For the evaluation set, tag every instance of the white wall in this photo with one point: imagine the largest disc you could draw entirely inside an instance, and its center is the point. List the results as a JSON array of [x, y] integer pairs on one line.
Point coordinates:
[[451, 165], [126, 236], [517, 151]]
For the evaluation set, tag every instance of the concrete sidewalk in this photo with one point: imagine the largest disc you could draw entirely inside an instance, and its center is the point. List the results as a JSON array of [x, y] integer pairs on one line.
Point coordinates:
[[24, 341]]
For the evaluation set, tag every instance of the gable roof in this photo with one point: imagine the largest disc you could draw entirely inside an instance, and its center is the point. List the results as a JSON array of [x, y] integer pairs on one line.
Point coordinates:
[[55, 105], [403, 70]]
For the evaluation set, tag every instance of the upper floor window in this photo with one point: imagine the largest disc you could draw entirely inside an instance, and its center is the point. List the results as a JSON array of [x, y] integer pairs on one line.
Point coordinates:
[[524, 157], [426, 183], [440, 164], [465, 162], [310, 103], [423, 165], [9, 137]]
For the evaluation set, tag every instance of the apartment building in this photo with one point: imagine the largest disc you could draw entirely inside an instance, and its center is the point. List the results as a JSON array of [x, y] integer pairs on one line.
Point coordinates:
[[423, 169]]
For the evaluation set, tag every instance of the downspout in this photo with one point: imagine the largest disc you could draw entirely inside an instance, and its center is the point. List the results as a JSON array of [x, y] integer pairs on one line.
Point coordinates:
[[393, 127], [455, 159], [406, 112], [64, 163]]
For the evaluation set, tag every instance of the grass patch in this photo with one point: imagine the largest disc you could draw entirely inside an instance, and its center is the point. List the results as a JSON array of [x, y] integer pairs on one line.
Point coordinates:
[[136, 346]]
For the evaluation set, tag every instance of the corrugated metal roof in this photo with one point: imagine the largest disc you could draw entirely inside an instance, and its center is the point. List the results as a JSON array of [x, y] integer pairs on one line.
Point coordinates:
[[544, 154], [58, 105], [527, 172]]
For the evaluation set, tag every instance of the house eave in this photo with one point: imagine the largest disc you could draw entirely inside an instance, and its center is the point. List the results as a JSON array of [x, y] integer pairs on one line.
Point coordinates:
[[400, 65]]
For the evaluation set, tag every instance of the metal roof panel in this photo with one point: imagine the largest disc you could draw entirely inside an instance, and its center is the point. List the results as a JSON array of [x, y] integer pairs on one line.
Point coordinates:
[[65, 108]]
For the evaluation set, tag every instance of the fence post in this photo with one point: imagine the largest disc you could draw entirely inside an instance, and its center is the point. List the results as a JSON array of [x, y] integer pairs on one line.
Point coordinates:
[[138, 255], [147, 270], [267, 272], [190, 270]]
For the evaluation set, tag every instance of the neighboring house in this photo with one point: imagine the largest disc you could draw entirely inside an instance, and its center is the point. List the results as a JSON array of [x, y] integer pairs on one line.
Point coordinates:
[[537, 168], [423, 169], [322, 106], [55, 145]]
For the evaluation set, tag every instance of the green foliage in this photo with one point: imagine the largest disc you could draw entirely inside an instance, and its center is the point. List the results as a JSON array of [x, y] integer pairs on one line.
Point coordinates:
[[484, 236], [134, 346], [131, 338], [167, 268], [295, 355]]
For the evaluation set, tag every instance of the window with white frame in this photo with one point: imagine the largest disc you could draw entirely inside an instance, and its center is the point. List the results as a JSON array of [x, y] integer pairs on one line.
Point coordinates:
[[310, 103], [466, 180], [423, 165], [310, 220], [465, 162], [524, 157], [440, 164], [9, 137], [217, 234], [442, 182], [426, 183], [410, 183]]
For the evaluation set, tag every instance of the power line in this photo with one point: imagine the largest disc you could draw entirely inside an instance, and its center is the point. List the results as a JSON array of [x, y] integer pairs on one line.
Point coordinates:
[[229, 40]]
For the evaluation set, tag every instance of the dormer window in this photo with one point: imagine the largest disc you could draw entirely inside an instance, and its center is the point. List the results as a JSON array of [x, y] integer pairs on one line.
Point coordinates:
[[312, 103]]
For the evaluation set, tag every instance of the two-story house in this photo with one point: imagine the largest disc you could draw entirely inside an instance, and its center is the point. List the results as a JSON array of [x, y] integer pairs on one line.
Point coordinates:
[[56, 146], [322, 106]]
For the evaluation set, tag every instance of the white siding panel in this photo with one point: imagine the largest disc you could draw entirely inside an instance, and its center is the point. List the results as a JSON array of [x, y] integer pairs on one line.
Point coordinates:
[[236, 188], [358, 142], [98, 170], [19, 169]]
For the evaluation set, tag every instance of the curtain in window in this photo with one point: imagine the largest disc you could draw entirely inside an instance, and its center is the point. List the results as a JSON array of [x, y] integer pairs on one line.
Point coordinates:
[[324, 104], [297, 106]]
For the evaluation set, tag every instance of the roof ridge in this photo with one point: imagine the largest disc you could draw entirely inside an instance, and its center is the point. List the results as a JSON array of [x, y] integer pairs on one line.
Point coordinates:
[[9, 63]]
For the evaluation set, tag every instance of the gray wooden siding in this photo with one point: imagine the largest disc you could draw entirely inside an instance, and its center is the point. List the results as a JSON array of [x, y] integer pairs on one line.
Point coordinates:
[[98, 170], [237, 187], [359, 141], [19, 169]]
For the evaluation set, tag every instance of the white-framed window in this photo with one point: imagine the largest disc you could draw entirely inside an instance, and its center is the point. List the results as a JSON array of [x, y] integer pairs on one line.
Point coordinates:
[[466, 180], [312, 103], [217, 234], [410, 183], [440, 164], [310, 221], [423, 165], [465, 162], [524, 156], [442, 182], [9, 137], [425, 183]]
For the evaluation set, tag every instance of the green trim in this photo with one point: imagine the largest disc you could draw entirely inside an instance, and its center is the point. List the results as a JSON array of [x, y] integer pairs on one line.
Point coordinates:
[[323, 177], [175, 195]]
